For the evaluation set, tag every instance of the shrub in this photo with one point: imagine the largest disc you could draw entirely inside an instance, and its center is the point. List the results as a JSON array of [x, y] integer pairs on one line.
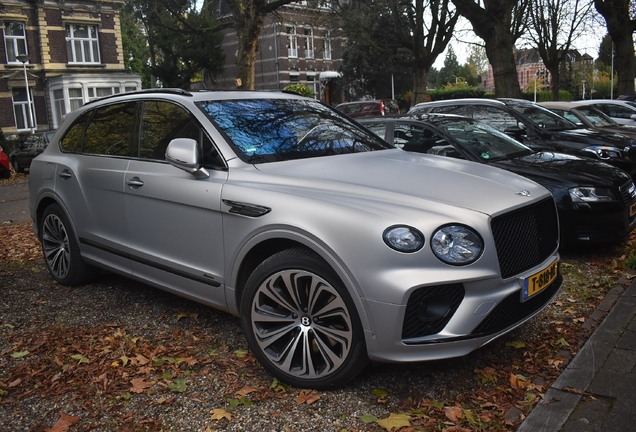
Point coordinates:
[[301, 89]]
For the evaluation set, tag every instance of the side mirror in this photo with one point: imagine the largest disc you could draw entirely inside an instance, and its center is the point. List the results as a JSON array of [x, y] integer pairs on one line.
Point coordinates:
[[633, 116], [183, 153]]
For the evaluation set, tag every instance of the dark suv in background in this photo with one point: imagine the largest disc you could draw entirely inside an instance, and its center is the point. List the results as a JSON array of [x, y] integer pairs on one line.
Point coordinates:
[[540, 129], [370, 108]]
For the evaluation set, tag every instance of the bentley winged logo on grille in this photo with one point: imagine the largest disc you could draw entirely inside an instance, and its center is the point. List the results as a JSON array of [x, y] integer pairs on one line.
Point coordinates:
[[525, 193]]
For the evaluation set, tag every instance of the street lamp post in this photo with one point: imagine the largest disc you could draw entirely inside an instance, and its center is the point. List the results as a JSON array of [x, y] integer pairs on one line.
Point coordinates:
[[583, 81], [24, 58]]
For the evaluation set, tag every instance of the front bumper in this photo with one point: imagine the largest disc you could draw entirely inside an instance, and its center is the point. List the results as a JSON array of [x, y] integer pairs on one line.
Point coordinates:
[[483, 314]]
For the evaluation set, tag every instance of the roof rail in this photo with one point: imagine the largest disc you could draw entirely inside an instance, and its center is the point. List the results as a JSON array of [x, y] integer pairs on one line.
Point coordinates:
[[145, 91]]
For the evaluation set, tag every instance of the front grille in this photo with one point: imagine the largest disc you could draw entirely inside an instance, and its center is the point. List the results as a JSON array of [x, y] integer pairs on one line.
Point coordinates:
[[626, 192], [631, 153], [413, 326], [511, 310], [526, 237]]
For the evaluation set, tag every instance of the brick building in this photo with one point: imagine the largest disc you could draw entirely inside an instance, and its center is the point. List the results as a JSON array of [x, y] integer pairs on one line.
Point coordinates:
[[530, 66], [300, 44], [70, 52]]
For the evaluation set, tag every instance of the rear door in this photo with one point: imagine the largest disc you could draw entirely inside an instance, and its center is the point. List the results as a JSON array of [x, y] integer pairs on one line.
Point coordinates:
[[90, 180], [174, 218]]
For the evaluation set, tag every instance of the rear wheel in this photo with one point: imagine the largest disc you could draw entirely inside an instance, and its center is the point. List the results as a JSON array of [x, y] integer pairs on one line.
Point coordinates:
[[61, 250], [300, 322]]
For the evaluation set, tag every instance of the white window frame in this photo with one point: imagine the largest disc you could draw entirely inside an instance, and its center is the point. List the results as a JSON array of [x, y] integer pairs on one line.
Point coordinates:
[[326, 54], [22, 107], [309, 42], [292, 42], [82, 49], [312, 82], [15, 44]]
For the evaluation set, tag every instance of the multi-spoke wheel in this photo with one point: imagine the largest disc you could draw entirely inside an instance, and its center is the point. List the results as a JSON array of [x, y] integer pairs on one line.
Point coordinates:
[[61, 251], [301, 323]]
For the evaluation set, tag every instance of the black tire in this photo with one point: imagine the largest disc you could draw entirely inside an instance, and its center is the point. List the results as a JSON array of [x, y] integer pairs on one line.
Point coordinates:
[[300, 322], [61, 249], [16, 166]]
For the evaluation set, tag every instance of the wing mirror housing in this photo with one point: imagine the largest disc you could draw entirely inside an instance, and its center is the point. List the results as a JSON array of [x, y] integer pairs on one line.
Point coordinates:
[[183, 153]]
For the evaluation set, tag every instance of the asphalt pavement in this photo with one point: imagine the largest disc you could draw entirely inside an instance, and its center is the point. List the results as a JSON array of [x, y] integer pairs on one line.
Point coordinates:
[[597, 390], [14, 201]]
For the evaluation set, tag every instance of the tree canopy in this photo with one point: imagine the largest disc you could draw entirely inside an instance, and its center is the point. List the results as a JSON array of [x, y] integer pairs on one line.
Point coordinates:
[[181, 41]]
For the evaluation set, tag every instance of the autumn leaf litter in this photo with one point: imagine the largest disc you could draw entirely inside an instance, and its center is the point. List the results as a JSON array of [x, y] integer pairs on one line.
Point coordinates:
[[120, 355]]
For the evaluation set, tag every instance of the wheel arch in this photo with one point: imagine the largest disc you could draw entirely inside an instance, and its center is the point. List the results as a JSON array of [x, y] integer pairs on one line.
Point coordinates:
[[268, 244]]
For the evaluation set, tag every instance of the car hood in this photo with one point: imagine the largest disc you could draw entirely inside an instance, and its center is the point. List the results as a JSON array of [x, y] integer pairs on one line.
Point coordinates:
[[405, 179], [619, 129], [592, 137], [556, 169]]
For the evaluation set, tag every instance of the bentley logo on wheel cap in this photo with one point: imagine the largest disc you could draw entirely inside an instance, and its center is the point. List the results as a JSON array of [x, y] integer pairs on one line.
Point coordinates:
[[525, 193]]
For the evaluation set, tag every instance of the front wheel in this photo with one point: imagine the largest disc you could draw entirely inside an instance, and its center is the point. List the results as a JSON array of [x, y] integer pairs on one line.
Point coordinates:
[[300, 322], [16, 166], [61, 250]]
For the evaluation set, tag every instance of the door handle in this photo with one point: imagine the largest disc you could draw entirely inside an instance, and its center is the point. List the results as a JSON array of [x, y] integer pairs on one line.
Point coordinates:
[[134, 182], [65, 174]]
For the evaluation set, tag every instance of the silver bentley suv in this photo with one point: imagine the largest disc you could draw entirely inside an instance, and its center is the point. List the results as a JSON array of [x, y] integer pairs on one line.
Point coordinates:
[[333, 247]]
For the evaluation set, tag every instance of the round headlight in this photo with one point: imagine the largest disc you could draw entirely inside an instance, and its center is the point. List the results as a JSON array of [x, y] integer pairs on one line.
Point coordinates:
[[403, 238], [457, 245]]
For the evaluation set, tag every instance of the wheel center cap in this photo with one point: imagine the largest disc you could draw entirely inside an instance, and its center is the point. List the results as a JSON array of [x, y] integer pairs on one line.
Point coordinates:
[[305, 321]]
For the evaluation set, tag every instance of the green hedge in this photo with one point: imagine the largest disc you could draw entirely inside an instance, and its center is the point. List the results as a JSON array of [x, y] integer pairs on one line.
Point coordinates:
[[476, 93], [455, 93]]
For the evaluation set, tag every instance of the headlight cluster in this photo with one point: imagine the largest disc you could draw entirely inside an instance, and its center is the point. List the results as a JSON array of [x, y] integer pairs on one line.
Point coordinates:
[[587, 194], [452, 244], [604, 152]]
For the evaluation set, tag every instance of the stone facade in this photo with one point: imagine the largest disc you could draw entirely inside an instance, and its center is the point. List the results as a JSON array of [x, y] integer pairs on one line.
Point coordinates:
[[74, 54]]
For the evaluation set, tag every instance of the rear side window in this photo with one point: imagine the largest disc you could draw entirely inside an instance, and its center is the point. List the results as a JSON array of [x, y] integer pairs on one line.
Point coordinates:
[[452, 109], [72, 141], [111, 131], [495, 117]]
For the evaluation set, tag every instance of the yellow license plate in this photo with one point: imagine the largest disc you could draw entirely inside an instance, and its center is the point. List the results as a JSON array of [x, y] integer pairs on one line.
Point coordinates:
[[632, 209], [540, 280]]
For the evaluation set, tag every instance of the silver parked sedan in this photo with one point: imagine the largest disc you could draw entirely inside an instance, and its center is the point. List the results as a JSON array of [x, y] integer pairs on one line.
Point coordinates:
[[332, 247]]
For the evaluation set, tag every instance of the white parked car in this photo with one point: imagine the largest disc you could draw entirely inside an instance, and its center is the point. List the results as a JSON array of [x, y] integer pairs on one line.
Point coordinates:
[[333, 247]]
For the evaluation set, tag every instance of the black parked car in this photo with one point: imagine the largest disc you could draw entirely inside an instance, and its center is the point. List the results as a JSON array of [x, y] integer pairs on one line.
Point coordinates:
[[33, 145], [540, 129], [596, 202], [589, 117]]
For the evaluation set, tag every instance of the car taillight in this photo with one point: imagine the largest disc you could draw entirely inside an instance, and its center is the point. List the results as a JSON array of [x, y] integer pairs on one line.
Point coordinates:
[[382, 108]]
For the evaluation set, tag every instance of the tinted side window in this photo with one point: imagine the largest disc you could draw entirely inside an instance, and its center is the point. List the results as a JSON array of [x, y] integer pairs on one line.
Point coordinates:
[[419, 139], [111, 130], [377, 128], [452, 109], [618, 111], [164, 121], [495, 117], [72, 140]]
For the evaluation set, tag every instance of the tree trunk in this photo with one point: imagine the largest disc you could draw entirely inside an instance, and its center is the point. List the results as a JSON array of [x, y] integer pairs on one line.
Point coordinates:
[[500, 52], [494, 25], [624, 63], [246, 60], [420, 77], [621, 29]]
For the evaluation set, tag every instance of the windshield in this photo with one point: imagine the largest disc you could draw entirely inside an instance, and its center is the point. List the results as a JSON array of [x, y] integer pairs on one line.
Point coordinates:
[[544, 118], [484, 141], [268, 130], [596, 117]]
